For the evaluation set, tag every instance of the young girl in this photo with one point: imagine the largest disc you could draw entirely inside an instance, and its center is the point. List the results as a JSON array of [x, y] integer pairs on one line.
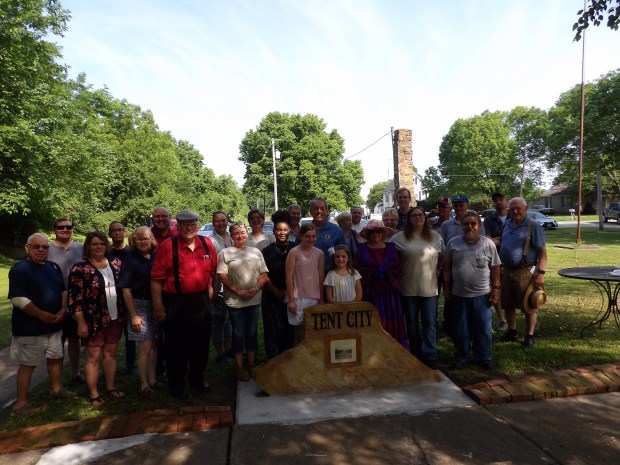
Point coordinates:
[[342, 283], [305, 271]]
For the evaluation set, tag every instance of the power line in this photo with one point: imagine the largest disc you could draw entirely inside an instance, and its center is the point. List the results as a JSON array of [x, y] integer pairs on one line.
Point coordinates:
[[357, 153]]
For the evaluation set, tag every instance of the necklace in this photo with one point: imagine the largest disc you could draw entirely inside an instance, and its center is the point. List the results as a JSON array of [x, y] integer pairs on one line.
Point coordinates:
[[285, 249]]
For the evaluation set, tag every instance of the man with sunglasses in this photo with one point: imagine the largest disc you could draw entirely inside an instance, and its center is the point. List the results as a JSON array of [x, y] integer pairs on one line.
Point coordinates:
[[471, 276], [38, 293], [65, 252]]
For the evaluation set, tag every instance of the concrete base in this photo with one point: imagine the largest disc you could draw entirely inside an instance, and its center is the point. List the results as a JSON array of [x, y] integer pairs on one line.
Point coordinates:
[[254, 406]]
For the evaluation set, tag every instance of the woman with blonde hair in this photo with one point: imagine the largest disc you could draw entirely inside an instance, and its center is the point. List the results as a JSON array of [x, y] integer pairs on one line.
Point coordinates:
[[390, 220], [142, 327]]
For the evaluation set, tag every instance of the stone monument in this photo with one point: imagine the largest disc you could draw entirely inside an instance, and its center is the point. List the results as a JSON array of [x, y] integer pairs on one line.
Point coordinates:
[[344, 348], [402, 151]]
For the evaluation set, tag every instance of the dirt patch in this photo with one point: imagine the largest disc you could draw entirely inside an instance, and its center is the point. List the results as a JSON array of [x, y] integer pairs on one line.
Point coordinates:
[[573, 247]]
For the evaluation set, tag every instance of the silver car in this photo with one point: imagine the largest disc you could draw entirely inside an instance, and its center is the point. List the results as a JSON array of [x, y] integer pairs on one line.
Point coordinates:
[[545, 221]]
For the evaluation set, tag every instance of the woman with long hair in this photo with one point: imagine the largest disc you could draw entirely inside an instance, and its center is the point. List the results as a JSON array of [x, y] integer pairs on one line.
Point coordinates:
[[420, 249]]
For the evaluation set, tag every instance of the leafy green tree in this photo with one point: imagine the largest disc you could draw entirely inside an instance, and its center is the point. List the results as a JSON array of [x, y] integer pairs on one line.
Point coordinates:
[[601, 141], [595, 13], [477, 157], [31, 94], [311, 162], [375, 195]]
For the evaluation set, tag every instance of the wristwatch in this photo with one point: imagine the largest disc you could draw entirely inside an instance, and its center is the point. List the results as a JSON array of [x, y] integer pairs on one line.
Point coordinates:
[[540, 271]]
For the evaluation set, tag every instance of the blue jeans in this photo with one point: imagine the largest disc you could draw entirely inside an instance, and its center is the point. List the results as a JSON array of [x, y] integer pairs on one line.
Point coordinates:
[[472, 318], [422, 341], [245, 328]]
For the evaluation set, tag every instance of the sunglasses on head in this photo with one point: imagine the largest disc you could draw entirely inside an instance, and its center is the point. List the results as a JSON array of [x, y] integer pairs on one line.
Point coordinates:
[[62, 227]]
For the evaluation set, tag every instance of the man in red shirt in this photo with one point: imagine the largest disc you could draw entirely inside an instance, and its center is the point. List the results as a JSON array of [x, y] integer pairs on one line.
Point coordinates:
[[181, 291], [161, 225]]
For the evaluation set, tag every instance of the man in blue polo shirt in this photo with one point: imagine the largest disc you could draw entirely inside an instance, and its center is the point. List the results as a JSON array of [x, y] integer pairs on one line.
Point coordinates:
[[39, 297], [328, 235], [522, 265]]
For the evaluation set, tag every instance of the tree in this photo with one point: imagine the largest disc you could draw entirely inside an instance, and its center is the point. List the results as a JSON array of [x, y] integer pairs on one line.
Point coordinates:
[[311, 162], [601, 141], [595, 13], [375, 195], [477, 158]]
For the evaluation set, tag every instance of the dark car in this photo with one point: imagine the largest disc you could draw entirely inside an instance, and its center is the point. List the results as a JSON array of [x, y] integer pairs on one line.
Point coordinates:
[[485, 213], [545, 221]]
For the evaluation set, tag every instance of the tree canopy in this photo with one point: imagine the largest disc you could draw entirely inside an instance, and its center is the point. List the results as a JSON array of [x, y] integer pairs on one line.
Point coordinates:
[[595, 13], [601, 142], [375, 195], [311, 163], [490, 152], [68, 149]]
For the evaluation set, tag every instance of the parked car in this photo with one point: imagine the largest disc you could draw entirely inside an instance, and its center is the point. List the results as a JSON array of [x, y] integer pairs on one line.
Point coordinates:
[[545, 221], [612, 212], [485, 213], [206, 230], [268, 227], [542, 209]]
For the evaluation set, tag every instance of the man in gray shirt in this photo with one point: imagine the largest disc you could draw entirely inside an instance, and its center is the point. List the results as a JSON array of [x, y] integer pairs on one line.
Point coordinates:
[[471, 274], [65, 253]]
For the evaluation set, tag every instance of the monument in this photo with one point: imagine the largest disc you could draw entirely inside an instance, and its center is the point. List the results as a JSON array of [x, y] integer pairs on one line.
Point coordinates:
[[344, 348]]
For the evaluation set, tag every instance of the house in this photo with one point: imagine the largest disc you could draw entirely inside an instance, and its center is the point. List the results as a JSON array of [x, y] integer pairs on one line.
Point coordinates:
[[563, 197], [419, 193]]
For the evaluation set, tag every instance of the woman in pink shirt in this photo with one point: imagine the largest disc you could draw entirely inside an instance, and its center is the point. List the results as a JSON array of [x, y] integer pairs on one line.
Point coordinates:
[[305, 273]]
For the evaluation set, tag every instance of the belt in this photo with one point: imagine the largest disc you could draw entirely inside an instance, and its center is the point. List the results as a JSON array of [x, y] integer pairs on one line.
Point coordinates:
[[520, 267]]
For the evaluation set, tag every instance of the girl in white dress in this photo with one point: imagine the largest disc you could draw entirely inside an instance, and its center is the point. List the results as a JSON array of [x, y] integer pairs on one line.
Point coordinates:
[[342, 283]]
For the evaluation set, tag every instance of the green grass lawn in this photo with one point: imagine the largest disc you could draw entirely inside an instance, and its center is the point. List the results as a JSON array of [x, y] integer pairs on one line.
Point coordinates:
[[571, 305]]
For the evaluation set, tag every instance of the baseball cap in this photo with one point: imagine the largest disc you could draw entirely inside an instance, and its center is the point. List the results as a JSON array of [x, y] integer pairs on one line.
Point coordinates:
[[445, 201], [460, 198], [497, 194]]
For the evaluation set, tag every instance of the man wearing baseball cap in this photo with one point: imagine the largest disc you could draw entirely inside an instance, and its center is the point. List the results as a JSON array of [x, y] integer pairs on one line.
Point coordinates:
[[444, 208]]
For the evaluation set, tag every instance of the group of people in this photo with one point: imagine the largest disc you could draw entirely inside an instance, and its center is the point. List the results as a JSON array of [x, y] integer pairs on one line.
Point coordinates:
[[173, 291]]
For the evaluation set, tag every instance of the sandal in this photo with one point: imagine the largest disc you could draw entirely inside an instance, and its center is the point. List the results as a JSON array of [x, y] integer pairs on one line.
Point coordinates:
[[147, 393], [157, 386], [97, 401], [243, 375], [116, 393]]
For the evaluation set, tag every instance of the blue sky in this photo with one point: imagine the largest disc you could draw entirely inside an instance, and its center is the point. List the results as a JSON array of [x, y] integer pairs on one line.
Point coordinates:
[[211, 70]]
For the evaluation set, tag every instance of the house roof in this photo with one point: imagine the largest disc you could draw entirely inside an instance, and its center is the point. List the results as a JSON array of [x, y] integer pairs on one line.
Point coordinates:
[[389, 188]]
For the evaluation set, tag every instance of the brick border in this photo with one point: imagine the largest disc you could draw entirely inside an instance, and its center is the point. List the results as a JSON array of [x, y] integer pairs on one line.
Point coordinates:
[[189, 418], [584, 380]]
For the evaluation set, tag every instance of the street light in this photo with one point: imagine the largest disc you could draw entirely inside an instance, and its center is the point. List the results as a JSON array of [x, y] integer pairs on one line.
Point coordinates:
[[275, 174]]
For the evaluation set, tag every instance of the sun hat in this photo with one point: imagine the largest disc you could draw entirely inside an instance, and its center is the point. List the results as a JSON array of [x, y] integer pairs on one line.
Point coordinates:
[[375, 225], [533, 299]]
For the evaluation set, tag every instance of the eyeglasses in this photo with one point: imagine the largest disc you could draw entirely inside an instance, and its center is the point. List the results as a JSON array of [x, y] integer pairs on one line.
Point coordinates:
[[161, 216], [375, 231], [142, 239], [62, 227], [183, 225], [38, 246], [117, 230]]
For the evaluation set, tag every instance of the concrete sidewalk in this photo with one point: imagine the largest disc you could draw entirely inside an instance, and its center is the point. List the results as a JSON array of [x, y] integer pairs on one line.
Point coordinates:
[[420, 428]]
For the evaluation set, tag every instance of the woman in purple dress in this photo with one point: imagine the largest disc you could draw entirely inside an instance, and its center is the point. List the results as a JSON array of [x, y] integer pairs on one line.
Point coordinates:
[[379, 265]]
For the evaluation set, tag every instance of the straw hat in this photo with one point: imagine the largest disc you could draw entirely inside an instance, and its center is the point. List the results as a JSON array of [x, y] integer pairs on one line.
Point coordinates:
[[533, 299], [374, 225]]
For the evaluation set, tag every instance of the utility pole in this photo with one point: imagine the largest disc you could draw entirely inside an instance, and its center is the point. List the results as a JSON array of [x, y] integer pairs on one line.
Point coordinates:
[[275, 175]]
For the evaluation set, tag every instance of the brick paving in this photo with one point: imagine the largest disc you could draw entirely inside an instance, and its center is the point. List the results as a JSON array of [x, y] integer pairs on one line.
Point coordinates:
[[191, 418], [584, 380], [563, 383]]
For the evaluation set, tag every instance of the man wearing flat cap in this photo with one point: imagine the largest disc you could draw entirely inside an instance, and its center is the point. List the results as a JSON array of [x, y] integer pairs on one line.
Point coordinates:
[[493, 225], [182, 290]]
